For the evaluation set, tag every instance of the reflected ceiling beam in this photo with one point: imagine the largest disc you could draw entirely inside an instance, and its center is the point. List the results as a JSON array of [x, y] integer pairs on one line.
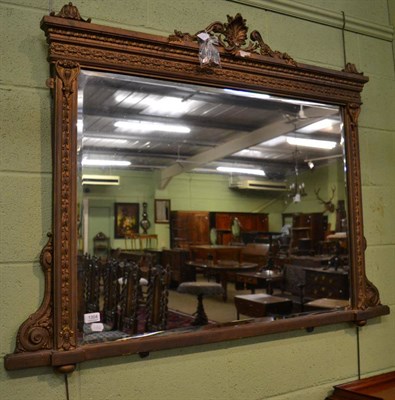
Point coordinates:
[[223, 150], [151, 137], [92, 150], [135, 114], [267, 132], [109, 87]]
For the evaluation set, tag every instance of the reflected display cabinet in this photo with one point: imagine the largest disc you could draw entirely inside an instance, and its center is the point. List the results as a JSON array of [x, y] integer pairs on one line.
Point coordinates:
[[189, 227], [193, 227], [177, 260], [251, 224], [307, 232]]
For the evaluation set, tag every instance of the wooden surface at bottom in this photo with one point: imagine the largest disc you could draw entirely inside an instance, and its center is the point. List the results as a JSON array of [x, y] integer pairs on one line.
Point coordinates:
[[379, 387]]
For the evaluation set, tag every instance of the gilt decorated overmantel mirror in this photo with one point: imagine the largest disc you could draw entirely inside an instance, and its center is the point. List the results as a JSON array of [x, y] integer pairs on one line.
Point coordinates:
[[205, 188]]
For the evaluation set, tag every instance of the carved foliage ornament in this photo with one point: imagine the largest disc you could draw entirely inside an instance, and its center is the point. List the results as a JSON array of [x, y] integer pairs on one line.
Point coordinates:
[[70, 11], [352, 69], [37, 331], [232, 36], [68, 72], [369, 295]]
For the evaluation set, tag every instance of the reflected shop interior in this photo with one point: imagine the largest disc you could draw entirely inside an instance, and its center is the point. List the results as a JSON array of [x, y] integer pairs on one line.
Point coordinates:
[[200, 206]]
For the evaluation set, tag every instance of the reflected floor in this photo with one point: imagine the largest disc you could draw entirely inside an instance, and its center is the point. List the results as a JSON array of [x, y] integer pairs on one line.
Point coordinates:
[[216, 308], [219, 311]]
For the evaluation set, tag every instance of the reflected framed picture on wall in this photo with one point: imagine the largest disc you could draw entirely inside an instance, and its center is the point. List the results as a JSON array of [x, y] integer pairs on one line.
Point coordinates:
[[126, 217], [162, 211]]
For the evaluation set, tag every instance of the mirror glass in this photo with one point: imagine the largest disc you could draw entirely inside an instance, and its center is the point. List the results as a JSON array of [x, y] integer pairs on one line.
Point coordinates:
[[233, 170]]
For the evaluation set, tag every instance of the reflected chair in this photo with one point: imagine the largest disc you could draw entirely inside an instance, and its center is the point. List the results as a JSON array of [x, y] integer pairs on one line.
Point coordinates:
[[111, 292], [143, 298], [148, 242], [82, 265], [129, 298], [134, 240], [156, 302], [92, 275]]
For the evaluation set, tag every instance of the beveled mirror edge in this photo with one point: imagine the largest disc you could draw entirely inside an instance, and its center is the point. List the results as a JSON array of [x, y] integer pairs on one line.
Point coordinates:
[[48, 337]]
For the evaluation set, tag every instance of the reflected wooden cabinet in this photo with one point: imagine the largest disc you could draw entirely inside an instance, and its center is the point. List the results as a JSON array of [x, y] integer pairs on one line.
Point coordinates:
[[251, 223], [177, 259], [308, 231], [189, 227], [326, 283], [193, 227]]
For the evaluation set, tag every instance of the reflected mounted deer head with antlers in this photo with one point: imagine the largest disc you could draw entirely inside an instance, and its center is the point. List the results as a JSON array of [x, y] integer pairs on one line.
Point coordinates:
[[329, 206]]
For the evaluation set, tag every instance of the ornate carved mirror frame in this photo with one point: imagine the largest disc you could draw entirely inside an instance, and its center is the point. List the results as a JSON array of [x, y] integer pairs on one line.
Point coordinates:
[[48, 337]]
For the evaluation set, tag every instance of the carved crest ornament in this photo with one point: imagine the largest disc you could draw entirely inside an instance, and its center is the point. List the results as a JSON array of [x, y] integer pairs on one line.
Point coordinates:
[[232, 36], [49, 336]]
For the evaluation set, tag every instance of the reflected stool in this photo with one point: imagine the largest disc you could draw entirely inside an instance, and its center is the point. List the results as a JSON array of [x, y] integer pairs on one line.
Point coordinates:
[[200, 289]]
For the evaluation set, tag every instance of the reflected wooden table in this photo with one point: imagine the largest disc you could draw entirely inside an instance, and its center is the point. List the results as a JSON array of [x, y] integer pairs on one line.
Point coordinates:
[[222, 269], [264, 278], [261, 305]]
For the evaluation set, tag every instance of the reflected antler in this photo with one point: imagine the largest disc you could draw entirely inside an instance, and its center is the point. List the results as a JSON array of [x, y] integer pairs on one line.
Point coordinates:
[[329, 206]]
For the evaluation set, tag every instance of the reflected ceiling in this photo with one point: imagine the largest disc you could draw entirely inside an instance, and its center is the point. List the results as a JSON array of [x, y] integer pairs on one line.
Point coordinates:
[[174, 128]]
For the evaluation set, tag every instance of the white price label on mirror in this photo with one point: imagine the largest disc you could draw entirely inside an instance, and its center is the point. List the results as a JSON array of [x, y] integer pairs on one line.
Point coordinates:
[[97, 327], [91, 317]]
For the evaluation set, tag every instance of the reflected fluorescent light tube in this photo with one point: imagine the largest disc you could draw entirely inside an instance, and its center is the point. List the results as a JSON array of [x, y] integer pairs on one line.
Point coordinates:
[[275, 141], [248, 94], [145, 126], [80, 125], [106, 163], [104, 140], [80, 98], [305, 103], [167, 105], [247, 171], [319, 125], [318, 144], [265, 96]]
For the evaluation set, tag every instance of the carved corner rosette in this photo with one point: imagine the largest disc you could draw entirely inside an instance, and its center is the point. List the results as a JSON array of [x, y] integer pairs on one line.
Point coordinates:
[[70, 11], [37, 331], [232, 36]]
